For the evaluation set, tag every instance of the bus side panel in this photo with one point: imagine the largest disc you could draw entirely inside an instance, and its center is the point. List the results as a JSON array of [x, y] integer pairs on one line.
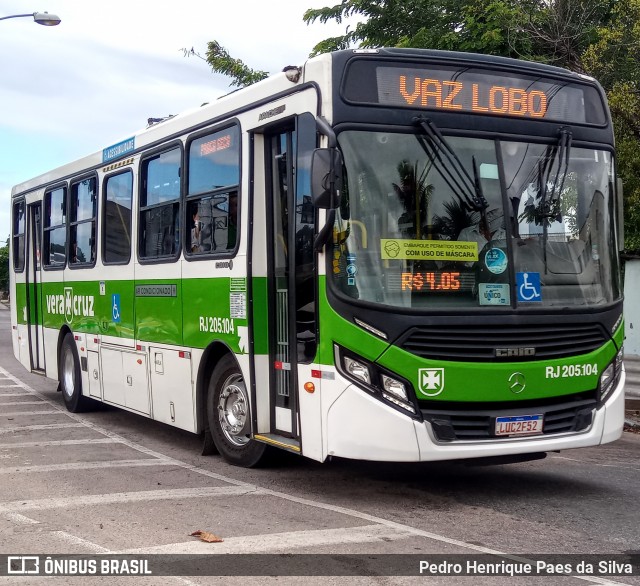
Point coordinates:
[[158, 303], [172, 403], [20, 331]]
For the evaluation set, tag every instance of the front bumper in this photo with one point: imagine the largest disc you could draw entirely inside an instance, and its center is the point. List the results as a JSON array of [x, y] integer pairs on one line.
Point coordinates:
[[363, 428]]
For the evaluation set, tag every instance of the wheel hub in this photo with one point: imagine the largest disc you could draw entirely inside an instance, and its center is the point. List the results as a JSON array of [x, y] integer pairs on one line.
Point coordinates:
[[68, 382], [233, 409]]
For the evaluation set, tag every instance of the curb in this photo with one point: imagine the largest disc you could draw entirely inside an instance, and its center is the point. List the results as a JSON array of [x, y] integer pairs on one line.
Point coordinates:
[[632, 401], [632, 386], [631, 424]]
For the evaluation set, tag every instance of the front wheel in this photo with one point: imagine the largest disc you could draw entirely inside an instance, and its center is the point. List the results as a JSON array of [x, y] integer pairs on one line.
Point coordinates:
[[69, 376], [229, 415]]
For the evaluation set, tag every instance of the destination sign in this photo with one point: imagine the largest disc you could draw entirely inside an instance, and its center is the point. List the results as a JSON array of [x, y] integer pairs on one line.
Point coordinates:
[[455, 95], [215, 145], [473, 90]]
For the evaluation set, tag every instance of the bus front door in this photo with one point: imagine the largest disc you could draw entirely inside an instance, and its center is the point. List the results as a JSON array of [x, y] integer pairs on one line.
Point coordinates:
[[34, 288], [291, 286]]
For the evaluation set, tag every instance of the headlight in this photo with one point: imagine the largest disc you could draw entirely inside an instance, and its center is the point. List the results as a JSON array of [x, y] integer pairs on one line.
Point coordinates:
[[395, 387], [610, 377], [357, 370], [382, 384]]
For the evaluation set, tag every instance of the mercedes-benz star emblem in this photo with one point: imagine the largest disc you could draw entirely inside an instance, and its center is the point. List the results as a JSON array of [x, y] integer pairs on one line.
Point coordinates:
[[517, 382]]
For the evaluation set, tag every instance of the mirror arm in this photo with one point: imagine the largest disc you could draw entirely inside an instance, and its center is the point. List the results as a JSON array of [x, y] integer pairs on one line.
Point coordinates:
[[325, 128], [323, 235]]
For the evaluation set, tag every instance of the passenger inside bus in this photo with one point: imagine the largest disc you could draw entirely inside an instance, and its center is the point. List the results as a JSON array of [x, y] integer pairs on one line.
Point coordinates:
[[196, 232]]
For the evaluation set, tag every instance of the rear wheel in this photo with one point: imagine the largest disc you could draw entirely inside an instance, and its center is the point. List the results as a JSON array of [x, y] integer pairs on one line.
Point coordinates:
[[229, 415], [69, 376]]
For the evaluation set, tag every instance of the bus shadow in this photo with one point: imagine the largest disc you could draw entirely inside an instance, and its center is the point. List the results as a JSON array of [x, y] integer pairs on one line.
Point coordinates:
[[467, 481], [442, 482]]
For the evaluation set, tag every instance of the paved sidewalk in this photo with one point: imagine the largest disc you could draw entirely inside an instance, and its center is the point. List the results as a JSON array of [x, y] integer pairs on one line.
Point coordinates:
[[632, 393]]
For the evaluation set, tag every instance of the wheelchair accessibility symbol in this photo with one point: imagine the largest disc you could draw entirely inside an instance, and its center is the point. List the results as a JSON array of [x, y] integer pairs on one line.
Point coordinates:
[[528, 287], [115, 305]]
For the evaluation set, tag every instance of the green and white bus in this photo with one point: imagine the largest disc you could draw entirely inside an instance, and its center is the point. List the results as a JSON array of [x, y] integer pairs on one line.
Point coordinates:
[[390, 254]]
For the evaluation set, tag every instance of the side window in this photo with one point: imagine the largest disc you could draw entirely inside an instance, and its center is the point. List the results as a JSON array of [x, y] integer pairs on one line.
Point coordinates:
[[82, 222], [160, 206], [55, 228], [116, 236], [18, 236], [212, 192]]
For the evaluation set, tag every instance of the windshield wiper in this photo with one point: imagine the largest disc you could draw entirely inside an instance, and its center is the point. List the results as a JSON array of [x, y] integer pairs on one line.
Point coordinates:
[[551, 209], [467, 189], [561, 151]]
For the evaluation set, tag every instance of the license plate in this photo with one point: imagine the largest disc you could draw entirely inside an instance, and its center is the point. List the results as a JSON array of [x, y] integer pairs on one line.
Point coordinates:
[[519, 425]]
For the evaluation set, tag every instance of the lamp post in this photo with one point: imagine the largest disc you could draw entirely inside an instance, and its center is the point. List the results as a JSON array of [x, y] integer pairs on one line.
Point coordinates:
[[43, 18]]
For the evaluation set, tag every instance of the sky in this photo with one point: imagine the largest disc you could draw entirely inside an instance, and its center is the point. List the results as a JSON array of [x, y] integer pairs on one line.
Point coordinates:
[[71, 90]]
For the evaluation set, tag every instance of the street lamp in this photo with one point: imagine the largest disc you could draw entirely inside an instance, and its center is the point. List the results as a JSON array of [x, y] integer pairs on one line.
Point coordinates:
[[43, 18]]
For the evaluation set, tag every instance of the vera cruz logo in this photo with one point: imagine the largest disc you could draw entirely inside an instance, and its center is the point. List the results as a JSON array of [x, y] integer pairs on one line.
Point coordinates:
[[68, 300], [431, 381], [70, 305]]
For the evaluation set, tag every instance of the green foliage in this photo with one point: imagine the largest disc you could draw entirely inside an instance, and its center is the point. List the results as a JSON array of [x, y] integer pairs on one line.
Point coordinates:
[[471, 25], [414, 194], [456, 218], [560, 31], [4, 268], [613, 59], [221, 62]]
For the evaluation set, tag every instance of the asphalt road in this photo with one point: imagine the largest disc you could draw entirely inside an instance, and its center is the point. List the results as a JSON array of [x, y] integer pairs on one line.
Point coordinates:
[[110, 482]]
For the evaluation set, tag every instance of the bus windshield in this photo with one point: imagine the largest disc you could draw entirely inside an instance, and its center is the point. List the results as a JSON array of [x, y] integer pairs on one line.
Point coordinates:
[[409, 233]]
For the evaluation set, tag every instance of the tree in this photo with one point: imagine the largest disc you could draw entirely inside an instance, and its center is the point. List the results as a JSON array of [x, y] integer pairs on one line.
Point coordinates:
[[4, 268], [414, 194], [456, 218], [489, 26], [222, 62], [613, 59], [560, 31], [469, 25]]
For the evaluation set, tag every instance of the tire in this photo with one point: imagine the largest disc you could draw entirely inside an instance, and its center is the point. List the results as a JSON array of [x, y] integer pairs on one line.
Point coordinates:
[[69, 376], [229, 416]]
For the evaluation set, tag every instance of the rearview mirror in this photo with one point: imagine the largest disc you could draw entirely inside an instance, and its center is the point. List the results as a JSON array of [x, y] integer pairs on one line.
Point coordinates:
[[326, 178]]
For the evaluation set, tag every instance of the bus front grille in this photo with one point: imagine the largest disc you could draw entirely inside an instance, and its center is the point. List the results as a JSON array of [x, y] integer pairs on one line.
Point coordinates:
[[468, 425], [513, 343]]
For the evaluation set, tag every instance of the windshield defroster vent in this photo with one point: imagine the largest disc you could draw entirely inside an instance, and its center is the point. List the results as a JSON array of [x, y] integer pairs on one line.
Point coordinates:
[[489, 342]]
